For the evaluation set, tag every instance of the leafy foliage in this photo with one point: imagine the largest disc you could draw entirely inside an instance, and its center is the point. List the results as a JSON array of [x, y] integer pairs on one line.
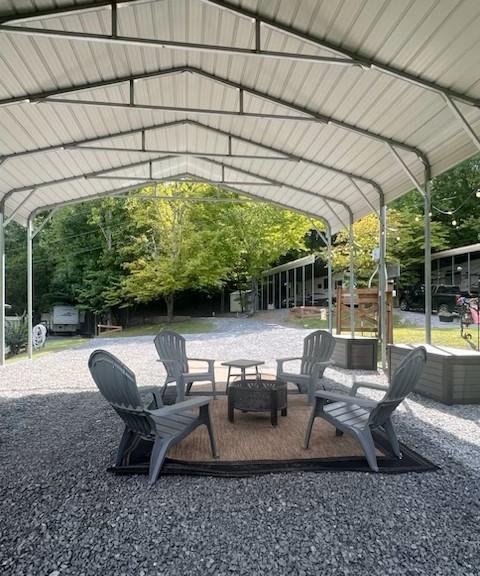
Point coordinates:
[[16, 335], [115, 253]]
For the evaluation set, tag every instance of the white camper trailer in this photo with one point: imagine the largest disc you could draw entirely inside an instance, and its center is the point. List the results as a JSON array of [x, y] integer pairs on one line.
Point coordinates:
[[62, 319]]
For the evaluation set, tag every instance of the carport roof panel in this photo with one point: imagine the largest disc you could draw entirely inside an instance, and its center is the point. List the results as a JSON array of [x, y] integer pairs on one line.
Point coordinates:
[[282, 93]]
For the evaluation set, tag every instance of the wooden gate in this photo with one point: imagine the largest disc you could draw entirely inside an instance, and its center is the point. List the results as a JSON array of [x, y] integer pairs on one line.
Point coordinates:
[[367, 317]]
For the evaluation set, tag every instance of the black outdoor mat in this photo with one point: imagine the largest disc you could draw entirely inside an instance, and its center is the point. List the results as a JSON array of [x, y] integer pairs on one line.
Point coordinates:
[[387, 464]]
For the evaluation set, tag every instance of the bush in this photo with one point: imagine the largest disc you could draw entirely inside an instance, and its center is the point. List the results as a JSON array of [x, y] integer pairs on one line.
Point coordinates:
[[16, 335]]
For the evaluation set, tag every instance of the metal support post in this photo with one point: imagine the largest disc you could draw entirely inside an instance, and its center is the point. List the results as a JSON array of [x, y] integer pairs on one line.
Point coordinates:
[[352, 277], [30, 286], [313, 283], [329, 279], [382, 281], [303, 286], [428, 257], [287, 289], [294, 287], [273, 290], [2, 285]]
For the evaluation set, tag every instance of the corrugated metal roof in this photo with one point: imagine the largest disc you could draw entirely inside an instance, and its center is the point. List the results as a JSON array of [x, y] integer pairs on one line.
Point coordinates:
[[312, 104], [457, 251]]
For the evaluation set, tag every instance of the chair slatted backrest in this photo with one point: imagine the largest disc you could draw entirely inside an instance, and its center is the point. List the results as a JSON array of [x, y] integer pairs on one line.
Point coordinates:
[[317, 347], [403, 382], [118, 386], [171, 347]]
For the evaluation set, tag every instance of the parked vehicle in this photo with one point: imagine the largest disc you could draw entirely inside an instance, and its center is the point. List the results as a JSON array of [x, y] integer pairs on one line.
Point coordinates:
[[62, 319], [444, 297], [319, 298]]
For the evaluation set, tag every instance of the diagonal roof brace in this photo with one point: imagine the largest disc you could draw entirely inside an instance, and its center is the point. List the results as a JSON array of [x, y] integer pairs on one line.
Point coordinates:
[[406, 169]]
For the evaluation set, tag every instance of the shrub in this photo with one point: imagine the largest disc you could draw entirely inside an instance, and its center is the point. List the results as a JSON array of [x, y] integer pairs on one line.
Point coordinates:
[[16, 335]]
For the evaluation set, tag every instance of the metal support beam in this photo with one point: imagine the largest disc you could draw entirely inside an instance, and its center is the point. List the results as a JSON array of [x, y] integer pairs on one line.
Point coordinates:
[[463, 121], [382, 281], [124, 40], [342, 55], [193, 154], [280, 184], [428, 256], [180, 177], [80, 145], [30, 286], [365, 62], [303, 113], [352, 277]]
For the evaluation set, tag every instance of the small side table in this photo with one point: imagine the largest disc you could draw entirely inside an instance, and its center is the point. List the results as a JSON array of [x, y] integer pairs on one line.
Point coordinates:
[[242, 364]]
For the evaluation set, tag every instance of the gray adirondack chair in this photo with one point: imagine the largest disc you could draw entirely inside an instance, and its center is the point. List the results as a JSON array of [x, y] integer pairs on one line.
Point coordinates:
[[317, 350], [358, 416], [172, 352], [165, 426]]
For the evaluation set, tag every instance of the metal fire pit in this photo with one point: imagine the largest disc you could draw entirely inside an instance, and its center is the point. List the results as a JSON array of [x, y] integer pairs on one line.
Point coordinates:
[[258, 396]]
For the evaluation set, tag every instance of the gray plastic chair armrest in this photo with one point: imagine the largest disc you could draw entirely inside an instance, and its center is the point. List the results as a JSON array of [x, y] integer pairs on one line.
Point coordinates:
[[281, 361], [181, 406], [335, 397], [372, 385]]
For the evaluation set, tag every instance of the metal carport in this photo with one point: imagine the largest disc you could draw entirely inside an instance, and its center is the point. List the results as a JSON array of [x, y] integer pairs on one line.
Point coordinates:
[[330, 108]]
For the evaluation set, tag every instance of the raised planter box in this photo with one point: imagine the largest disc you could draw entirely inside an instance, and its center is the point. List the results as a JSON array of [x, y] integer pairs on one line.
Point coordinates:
[[359, 353], [451, 375]]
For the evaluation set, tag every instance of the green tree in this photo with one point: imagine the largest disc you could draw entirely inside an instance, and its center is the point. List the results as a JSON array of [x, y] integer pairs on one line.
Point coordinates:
[[405, 244], [254, 236], [171, 250]]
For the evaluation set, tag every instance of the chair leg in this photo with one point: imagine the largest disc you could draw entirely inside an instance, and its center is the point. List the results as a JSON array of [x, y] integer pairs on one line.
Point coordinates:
[[159, 451], [392, 437], [308, 432], [366, 440], [125, 442], [311, 391], [205, 416], [214, 387], [228, 378]]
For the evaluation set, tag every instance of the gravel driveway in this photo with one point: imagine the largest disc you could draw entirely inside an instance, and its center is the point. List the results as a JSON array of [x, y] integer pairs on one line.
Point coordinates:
[[62, 513]]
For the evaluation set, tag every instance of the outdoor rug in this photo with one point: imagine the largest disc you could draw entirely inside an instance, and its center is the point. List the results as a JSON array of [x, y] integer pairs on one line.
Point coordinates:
[[251, 445]]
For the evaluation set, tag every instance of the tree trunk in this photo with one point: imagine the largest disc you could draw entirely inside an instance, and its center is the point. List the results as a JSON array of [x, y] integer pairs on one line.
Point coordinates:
[[169, 302]]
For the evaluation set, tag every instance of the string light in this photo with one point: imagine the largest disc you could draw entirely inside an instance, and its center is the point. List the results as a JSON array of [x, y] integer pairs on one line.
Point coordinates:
[[454, 222]]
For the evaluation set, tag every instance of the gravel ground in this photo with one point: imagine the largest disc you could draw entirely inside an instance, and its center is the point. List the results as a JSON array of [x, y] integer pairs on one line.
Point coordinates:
[[62, 513]]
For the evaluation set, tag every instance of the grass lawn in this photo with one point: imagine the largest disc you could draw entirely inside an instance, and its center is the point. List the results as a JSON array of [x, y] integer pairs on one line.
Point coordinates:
[[185, 327], [52, 345], [401, 334]]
